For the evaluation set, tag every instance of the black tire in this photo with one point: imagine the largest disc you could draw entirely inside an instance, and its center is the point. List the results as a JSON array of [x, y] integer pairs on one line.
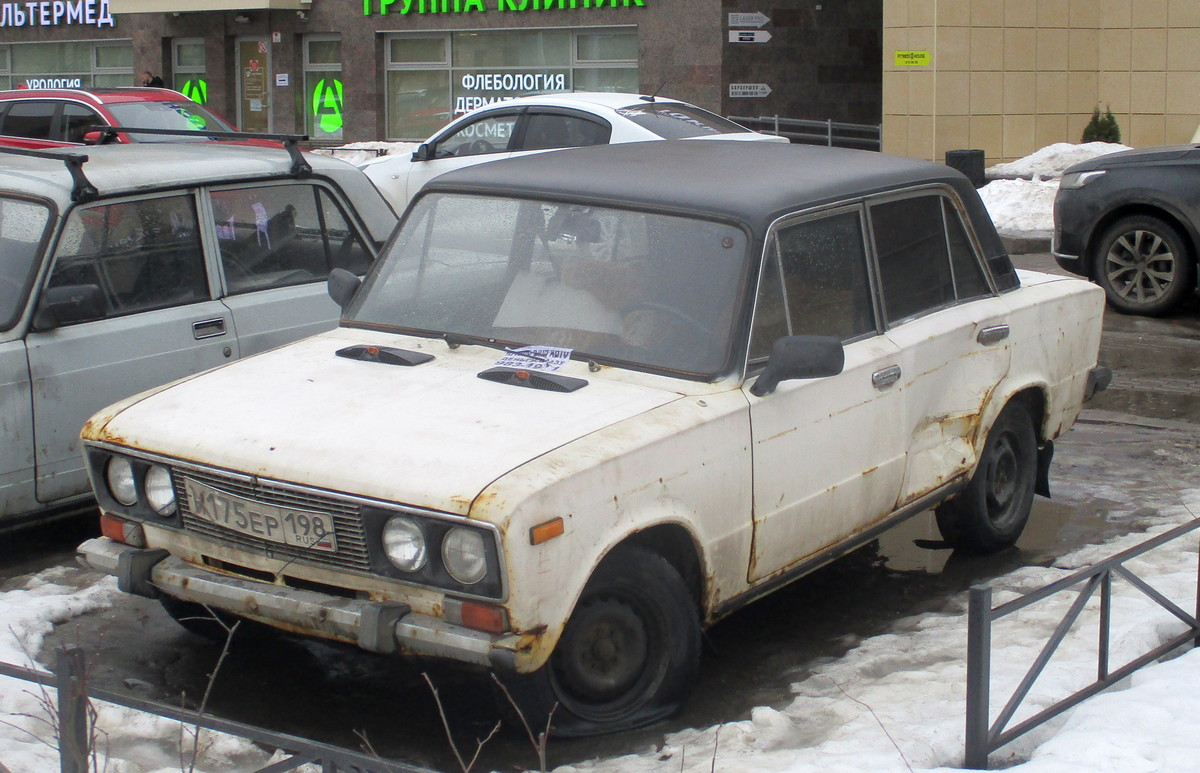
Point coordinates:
[[1144, 265], [990, 514], [627, 656]]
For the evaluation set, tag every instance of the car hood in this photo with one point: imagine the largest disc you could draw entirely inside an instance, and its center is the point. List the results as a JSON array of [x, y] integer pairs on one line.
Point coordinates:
[[432, 435], [1137, 156]]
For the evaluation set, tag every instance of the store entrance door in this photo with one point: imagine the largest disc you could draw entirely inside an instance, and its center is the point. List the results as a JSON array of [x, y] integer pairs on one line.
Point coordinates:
[[254, 75]]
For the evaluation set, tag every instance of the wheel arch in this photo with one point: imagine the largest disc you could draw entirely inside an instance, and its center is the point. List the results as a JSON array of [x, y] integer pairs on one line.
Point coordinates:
[[1156, 209], [680, 549]]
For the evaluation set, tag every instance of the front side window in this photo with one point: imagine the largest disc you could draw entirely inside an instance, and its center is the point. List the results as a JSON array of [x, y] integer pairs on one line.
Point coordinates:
[[77, 120], [282, 235], [488, 135], [815, 282], [653, 290], [143, 254], [23, 226]]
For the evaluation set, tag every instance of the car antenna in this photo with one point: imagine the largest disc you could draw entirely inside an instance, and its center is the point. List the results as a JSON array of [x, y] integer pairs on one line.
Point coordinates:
[[650, 97], [83, 190], [290, 142]]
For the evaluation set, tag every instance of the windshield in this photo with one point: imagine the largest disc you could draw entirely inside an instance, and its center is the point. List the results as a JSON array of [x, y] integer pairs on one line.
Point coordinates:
[[676, 121], [165, 115], [22, 228], [654, 290]]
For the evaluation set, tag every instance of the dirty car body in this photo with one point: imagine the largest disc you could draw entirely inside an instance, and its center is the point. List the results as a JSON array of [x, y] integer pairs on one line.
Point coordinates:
[[586, 405], [140, 264]]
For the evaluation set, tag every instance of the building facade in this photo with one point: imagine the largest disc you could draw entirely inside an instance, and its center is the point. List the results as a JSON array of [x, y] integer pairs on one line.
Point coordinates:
[[1012, 76], [347, 70]]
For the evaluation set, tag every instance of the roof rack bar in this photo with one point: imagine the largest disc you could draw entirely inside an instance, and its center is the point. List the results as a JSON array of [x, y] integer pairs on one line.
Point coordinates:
[[83, 190], [291, 142]]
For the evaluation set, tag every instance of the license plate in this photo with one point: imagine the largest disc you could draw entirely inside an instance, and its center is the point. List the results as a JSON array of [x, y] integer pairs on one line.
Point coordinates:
[[301, 528]]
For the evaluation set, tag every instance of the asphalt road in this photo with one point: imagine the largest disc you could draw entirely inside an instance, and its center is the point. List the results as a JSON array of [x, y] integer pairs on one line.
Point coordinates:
[[1135, 447]]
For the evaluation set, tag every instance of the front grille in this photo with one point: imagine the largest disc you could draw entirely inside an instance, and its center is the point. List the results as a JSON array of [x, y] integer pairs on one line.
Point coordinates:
[[351, 541]]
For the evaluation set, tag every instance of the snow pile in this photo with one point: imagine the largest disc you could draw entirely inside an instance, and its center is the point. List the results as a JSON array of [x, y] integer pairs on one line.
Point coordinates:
[[1052, 160], [1020, 205]]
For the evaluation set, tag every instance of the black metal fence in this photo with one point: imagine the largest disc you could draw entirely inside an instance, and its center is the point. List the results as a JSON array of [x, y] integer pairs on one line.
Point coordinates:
[[74, 725], [983, 739], [832, 133]]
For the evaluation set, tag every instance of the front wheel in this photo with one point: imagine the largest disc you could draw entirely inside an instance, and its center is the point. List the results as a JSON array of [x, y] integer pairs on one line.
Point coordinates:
[[990, 514], [627, 655], [1144, 266]]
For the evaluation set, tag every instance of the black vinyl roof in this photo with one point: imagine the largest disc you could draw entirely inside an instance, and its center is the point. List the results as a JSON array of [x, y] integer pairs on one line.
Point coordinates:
[[751, 182]]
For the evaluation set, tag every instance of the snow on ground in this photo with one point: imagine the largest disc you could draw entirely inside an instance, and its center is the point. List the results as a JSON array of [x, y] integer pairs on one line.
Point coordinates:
[[894, 703]]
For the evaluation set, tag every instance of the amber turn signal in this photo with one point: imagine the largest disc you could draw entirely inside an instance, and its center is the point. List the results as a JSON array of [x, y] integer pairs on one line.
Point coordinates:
[[544, 532]]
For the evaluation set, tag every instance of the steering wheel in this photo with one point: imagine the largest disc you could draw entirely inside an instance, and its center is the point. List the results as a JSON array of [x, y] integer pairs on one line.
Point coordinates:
[[692, 331], [479, 147]]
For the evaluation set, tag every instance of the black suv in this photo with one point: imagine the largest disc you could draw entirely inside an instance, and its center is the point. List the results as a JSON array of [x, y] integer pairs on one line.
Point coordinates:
[[1130, 222]]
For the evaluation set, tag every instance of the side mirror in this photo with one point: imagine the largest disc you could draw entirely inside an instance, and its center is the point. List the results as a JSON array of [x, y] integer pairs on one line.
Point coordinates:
[[796, 357], [68, 305], [423, 152], [342, 285], [92, 138]]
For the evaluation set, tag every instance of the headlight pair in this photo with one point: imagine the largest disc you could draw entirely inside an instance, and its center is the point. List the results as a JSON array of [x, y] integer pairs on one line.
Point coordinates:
[[463, 550], [156, 485]]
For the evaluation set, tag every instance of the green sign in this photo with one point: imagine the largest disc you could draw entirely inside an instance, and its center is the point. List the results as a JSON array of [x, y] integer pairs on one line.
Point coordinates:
[[327, 105], [384, 7], [196, 90]]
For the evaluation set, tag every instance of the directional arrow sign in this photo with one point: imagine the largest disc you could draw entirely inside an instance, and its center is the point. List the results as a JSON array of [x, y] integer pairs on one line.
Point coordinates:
[[749, 90], [755, 19], [749, 36]]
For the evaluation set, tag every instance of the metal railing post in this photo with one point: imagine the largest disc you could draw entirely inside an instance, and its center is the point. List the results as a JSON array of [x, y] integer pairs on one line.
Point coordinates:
[[979, 656], [829, 132], [72, 712]]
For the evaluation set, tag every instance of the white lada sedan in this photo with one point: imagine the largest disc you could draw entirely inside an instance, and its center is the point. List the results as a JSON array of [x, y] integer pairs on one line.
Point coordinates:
[[588, 403]]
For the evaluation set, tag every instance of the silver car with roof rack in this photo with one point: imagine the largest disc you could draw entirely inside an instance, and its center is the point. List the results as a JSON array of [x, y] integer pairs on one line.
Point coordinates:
[[134, 265]]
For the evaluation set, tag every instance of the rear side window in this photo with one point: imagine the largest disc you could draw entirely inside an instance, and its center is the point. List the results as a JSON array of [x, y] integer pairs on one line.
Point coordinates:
[[34, 120], [282, 235], [675, 121], [815, 282], [925, 258], [143, 254], [546, 131]]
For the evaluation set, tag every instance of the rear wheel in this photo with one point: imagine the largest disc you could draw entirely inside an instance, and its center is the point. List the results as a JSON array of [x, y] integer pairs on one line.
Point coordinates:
[[1144, 266], [991, 513], [627, 655]]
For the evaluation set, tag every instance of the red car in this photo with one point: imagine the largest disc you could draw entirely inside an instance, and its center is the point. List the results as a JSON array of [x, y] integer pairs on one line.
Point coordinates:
[[47, 118]]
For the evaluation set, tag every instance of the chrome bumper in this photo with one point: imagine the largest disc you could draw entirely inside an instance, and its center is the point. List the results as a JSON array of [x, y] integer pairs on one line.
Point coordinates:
[[383, 627]]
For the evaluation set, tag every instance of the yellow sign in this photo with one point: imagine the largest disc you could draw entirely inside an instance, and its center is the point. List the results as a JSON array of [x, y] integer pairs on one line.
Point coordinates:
[[912, 58]]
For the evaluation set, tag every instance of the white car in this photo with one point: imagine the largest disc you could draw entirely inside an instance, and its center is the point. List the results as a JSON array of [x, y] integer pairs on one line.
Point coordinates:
[[590, 402], [547, 122]]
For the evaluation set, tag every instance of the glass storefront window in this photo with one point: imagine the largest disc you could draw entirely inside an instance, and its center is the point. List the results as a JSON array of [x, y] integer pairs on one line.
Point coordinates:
[[188, 69], [80, 64], [606, 46], [324, 101], [433, 77], [429, 49]]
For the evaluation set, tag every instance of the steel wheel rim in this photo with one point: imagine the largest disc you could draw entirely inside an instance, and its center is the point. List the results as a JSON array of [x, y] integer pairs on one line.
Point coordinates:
[[1003, 480], [1140, 266], [608, 667]]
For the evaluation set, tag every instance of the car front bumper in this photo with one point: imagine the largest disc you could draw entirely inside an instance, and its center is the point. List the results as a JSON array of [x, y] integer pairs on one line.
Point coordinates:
[[384, 627]]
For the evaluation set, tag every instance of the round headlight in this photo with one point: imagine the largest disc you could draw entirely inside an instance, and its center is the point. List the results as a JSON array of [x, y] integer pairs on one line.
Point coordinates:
[[160, 494], [119, 474], [465, 556], [404, 544]]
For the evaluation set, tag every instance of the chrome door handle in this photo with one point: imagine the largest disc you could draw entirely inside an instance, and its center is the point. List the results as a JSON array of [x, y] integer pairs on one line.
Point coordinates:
[[993, 334], [885, 377], [208, 328]]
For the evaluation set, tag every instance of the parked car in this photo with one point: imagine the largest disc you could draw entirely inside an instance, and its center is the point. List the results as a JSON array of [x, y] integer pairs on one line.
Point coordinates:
[[136, 265], [47, 118], [590, 402], [1130, 222], [544, 122]]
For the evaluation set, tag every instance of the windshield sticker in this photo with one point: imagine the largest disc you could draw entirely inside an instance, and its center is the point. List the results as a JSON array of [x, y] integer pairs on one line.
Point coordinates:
[[547, 358], [261, 221]]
